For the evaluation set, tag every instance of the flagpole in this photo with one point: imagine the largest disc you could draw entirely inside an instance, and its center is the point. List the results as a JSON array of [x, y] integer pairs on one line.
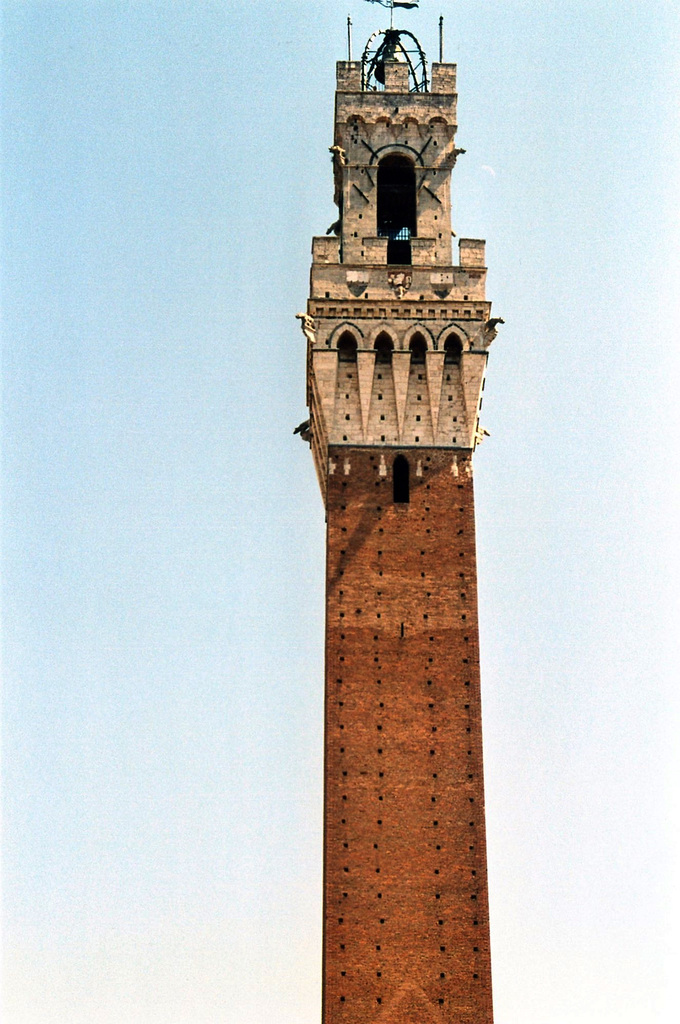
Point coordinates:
[[391, 13]]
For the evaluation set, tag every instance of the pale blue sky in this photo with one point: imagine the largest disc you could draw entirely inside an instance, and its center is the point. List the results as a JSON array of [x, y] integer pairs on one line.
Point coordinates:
[[165, 167]]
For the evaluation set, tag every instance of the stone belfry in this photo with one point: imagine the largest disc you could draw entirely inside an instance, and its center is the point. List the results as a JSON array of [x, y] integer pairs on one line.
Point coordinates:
[[397, 349]]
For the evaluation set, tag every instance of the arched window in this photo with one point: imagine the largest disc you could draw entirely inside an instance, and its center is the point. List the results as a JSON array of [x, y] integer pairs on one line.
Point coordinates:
[[397, 206], [400, 480], [383, 347], [418, 349], [347, 348], [453, 347]]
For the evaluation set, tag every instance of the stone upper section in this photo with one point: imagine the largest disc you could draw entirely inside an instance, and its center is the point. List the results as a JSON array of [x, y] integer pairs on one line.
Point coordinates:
[[372, 125], [398, 334]]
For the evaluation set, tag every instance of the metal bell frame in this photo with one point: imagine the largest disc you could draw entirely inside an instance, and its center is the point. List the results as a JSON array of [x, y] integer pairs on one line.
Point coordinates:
[[376, 54]]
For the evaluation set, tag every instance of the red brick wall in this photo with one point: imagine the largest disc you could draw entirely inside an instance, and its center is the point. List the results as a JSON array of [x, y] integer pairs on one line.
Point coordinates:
[[405, 889]]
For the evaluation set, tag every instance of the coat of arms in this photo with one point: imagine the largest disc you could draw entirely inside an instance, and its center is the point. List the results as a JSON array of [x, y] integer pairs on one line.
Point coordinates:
[[400, 280]]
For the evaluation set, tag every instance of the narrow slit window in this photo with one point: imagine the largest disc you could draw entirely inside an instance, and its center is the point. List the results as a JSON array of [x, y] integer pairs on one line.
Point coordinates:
[[400, 480]]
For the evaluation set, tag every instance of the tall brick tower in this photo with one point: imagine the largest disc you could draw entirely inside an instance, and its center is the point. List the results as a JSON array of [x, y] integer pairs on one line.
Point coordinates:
[[397, 349]]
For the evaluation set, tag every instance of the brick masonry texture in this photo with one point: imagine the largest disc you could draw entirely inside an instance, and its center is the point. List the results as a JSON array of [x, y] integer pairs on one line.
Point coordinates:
[[406, 924]]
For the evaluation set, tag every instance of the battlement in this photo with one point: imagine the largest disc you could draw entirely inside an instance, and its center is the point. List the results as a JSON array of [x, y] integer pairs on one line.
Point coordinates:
[[373, 278], [349, 79]]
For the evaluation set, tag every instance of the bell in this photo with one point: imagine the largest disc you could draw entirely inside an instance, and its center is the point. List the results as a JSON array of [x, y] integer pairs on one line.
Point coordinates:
[[387, 52]]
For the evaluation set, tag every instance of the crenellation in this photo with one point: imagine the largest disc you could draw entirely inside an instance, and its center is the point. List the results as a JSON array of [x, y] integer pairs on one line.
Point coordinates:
[[443, 78], [424, 251], [396, 78], [326, 249], [348, 75], [472, 252]]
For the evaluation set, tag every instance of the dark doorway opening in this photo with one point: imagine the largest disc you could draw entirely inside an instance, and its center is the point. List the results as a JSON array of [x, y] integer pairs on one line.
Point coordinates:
[[397, 207]]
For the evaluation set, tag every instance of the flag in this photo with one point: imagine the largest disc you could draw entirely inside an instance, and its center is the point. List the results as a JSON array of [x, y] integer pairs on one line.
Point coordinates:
[[409, 4]]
